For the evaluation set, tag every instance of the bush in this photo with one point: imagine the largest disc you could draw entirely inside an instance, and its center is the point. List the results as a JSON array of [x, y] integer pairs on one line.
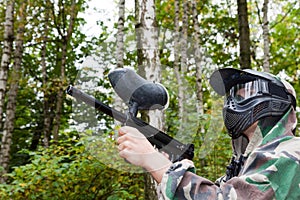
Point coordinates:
[[67, 171]]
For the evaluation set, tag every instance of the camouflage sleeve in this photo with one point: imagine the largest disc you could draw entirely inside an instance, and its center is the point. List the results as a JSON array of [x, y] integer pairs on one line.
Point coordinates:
[[179, 182]]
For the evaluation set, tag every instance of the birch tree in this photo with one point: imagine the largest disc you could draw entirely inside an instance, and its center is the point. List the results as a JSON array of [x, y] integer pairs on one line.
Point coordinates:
[[181, 57], [13, 90], [6, 52], [120, 48], [266, 37], [184, 43], [198, 58], [187, 62], [148, 64], [177, 58], [147, 49], [120, 34]]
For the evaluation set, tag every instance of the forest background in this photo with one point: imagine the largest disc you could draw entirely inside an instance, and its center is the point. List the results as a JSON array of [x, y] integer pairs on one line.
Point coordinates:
[[53, 147]]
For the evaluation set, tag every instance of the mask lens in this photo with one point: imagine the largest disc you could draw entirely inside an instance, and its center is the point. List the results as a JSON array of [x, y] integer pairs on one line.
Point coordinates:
[[241, 92]]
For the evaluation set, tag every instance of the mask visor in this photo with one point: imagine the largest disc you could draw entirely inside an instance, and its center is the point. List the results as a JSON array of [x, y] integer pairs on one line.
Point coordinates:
[[244, 91]]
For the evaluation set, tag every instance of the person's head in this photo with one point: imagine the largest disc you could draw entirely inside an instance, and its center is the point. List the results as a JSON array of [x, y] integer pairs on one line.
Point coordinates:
[[251, 96]]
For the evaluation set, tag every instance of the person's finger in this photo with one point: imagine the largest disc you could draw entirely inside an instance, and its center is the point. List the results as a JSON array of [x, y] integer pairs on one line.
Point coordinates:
[[133, 132], [165, 154], [121, 139], [122, 131], [120, 147], [124, 145], [124, 153]]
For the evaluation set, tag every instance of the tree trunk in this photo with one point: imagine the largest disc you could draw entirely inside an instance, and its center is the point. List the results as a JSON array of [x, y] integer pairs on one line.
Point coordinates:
[[120, 51], [6, 53], [198, 59], [177, 69], [181, 60], [265, 27], [244, 35], [120, 35], [147, 48], [183, 41], [12, 93], [65, 42], [149, 65], [47, 96]]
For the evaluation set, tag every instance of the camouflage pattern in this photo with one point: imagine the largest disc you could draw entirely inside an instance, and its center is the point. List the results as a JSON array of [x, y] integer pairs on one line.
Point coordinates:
[[271, 171]]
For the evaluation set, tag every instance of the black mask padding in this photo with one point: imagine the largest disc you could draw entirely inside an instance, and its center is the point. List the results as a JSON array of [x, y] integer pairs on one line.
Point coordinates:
[[278, 91]]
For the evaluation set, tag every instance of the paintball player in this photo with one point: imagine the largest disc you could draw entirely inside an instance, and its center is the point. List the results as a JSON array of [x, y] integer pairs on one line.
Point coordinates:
[[259, 114]]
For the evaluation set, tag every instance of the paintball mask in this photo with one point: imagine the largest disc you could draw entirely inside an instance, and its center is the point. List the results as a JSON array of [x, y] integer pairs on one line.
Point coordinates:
[[249, 96]]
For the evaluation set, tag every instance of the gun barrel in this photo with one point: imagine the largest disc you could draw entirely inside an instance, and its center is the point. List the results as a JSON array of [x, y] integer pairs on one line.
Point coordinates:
[[175, 149], [98, 105]]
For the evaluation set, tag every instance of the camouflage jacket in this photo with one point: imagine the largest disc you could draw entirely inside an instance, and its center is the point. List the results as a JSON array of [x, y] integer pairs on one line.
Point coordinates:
[[271, 171]]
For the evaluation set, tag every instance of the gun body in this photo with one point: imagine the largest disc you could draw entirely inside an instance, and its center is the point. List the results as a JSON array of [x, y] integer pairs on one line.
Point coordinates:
[[175, 149]]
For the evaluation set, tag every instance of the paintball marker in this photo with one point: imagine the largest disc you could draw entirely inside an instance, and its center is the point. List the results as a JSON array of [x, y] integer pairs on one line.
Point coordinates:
[[138, 94]]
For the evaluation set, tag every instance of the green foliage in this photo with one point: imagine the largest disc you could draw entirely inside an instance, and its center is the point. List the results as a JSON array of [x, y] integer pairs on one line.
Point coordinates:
[[68, 171], [213, 146], [87, 169], [217, 157], [285, 46]]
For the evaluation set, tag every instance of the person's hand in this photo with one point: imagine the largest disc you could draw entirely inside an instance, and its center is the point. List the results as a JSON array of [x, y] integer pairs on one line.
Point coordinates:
[[134, 147]]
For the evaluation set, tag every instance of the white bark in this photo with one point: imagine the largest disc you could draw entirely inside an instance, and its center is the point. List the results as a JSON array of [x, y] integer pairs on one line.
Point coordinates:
[[147, 44], [12, 93], [149, 65], [181, 59], [6, 52], [266, 38], [198, 59], [177, 60], [120, 35], [118, 103]]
